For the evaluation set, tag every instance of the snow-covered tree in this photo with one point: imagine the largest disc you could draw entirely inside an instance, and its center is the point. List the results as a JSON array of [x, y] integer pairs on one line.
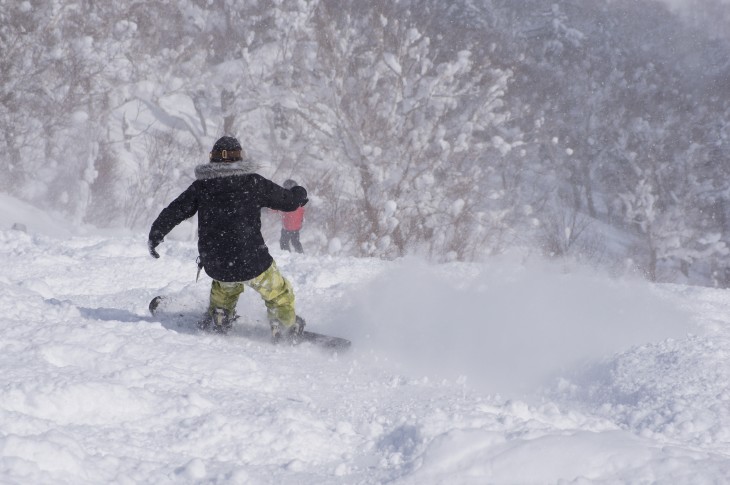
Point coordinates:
[[418, 129], [447, 128]]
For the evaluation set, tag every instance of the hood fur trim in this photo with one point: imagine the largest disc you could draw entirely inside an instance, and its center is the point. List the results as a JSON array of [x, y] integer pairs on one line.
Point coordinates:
[[223, 169]]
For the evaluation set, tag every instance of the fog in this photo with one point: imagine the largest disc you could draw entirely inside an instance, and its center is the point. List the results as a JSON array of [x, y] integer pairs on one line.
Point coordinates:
[[507, 328]]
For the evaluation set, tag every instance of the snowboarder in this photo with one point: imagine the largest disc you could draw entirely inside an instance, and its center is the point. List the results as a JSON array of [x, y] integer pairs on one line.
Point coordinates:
[[228, 196], [291, 224]]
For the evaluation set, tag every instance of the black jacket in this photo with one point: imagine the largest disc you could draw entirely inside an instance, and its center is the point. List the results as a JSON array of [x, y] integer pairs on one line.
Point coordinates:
[[228, 198]]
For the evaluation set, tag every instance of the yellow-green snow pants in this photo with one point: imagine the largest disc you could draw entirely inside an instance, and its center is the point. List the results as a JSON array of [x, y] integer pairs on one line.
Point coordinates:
[[274, 289]]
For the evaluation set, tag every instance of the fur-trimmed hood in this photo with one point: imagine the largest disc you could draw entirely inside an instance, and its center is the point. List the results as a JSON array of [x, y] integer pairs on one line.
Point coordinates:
[[216, 170]]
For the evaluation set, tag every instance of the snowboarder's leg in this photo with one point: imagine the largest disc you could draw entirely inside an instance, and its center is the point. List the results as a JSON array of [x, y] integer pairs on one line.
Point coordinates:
[[284, 240], [222, 307], [295, 242], [278, 295], [225, 295]]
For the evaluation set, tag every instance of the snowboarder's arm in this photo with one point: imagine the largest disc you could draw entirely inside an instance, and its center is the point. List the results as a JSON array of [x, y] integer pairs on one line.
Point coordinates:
[[184, 207], [279, 198]]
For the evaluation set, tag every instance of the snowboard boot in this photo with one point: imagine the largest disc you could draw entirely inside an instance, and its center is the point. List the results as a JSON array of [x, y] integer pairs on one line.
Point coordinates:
[[222, 321], [282, 333]]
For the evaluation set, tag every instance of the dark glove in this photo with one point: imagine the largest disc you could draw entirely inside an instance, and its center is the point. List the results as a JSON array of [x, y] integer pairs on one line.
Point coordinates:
[[300, 193], [151, 245]]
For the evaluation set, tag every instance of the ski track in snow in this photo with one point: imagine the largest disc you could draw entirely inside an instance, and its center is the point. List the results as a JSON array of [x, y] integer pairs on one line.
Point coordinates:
[[94, 390]]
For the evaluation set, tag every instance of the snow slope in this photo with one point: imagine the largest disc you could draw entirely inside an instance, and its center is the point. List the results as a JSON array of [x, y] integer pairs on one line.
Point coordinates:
[[460, 374]]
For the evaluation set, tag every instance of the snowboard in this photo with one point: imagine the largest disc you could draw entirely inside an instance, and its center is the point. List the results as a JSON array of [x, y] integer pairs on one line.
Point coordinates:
[[182, 316]]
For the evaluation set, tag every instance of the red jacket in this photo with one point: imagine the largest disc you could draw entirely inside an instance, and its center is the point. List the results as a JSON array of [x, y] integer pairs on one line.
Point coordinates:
[[292, 221]]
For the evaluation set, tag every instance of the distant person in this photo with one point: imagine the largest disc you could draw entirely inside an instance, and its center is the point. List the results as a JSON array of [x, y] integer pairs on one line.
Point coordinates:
[[291, 224], [228, 196]]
